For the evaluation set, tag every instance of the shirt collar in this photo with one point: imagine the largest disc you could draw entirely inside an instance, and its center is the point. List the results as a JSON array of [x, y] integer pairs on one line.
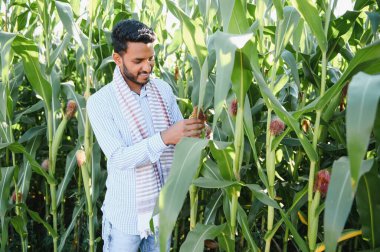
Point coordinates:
[[143, 91]]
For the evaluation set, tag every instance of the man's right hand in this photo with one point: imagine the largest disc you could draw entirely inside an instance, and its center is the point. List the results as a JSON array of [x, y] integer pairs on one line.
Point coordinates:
[[185, 128]]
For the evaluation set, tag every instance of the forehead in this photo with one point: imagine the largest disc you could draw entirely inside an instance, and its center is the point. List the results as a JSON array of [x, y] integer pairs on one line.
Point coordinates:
[[139, 50]]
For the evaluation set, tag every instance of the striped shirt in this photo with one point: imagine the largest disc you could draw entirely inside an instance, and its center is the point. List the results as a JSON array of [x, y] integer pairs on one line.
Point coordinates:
[[115, 139]]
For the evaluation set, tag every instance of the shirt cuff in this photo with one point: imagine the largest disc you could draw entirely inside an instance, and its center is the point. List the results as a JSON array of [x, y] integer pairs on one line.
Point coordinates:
[[156, 146]]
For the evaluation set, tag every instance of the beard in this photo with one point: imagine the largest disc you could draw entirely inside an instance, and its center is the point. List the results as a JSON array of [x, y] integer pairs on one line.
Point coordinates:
[[133, 78]]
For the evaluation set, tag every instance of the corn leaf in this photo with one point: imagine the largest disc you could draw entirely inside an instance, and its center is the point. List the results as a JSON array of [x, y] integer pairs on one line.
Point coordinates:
[[71, 164], [257, 191], [299, 199], [243, 222], [212, 207], [213, 183], [225, 46], [368, 205], [238, 23], [297, 237], [366, 59], [28, 50], [285, 116], [310, 13], [192, 34], [187, 155], [340, 196], [26, 173], [363, 96], [195, 239], [66, 15], [285, 29], [279, 9], [5, 185], [224, 160], [225, 241], [78, 210], [36, 217], [18, 148]]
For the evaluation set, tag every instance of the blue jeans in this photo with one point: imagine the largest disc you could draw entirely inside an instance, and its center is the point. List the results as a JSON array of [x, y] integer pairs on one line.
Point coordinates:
[[117, 241]]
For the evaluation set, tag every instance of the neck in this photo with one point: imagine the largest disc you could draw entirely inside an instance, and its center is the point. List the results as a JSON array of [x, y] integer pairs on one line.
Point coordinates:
[[132, 85]]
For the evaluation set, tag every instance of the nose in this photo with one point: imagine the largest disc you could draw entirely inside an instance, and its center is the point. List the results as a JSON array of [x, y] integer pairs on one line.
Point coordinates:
[[148, 66]]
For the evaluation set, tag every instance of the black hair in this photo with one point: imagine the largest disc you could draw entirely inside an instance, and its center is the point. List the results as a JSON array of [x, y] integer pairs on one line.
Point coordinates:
[[130, 30]]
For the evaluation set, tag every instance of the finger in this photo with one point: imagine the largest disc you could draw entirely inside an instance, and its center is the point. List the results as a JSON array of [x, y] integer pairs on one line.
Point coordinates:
[[193, 133], [194, 127], [193, 121]]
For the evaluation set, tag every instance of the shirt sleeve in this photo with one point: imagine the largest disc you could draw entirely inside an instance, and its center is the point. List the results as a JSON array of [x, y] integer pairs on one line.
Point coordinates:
[[119, 154]]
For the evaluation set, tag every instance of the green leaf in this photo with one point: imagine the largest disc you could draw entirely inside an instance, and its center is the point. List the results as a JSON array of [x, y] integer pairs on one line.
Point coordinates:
[[248, 129], [299, 200], [368, 206], [28, 50], [238, 23], [263, 197], [224, 158], [32, 132], [226, 7], [69, 90], [225, 46], [187, 155], [26, 173], [6, 40], [39, 105], [291, 61], [362, 99], [285, 116], [225, 242], [97, 175], [285, 29], [19, 224], [105, 63], [58, 51], [279, 9], [204, 80], [66, 15], [360, 4], [212, 207], [36, 217], [366, 60], [71, 164], [297, 237], [213, 183], [211, 170], [243, 222], [18, 148], [195, 239], [241, 77], [78, 209], [310, 13], [340, 196], [5, 185], [192, 33]]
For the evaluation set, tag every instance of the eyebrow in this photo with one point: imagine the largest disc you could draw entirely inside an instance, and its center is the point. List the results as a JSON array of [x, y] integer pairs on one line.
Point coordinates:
[[144, 58]]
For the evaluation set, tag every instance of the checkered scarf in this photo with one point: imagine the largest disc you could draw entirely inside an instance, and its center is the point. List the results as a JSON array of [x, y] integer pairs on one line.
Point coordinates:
[[149, 180]]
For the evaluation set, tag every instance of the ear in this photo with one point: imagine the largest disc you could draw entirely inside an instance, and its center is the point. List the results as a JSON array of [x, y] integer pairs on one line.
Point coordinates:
[[117, 58]]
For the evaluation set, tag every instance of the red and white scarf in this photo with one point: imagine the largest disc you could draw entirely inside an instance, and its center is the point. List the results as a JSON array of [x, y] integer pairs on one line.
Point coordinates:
[[149, 180]]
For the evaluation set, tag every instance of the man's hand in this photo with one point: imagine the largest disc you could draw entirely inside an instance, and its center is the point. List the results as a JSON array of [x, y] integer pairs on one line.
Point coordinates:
[[185, 128]]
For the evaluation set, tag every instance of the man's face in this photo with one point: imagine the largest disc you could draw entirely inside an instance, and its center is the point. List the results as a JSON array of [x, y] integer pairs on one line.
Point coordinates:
[[136, 64]]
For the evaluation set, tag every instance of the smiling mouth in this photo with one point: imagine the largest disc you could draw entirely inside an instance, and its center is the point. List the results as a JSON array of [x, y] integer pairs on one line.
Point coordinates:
[[144, 75]]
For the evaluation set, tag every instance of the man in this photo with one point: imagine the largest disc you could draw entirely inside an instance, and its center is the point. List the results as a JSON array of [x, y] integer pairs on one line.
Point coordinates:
[[137, 123]]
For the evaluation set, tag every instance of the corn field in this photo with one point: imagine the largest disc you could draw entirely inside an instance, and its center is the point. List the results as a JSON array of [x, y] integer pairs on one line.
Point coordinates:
[[291, 92]]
